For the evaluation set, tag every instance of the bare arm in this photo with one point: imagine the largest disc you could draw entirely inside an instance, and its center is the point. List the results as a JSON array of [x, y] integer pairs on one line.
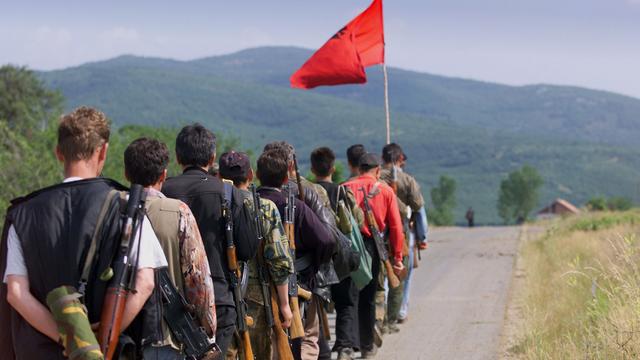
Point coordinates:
[[283, 302], [135, 301], [36, 314]]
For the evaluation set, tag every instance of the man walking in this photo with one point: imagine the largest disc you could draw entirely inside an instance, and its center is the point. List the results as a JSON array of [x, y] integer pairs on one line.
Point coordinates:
[[273, 261], [344, 294], [196, 153], [49, 236], [409, 198], [145, 163], [387, 216]]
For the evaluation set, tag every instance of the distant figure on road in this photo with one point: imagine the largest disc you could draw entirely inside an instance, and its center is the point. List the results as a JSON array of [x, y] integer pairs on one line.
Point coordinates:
[[469, 216]]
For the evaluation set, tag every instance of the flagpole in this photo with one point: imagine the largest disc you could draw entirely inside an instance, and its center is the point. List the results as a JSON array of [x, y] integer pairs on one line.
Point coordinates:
[[386, 101]]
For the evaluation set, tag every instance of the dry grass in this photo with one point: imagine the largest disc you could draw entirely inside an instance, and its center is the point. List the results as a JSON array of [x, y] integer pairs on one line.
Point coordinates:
[[582, 293]]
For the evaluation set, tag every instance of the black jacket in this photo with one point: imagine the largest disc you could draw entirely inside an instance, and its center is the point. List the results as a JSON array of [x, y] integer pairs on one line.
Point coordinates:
[[55, 226], [205, 194]]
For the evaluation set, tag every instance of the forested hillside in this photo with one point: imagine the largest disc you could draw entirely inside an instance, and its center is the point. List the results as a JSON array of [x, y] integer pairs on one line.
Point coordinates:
[[583, 142]]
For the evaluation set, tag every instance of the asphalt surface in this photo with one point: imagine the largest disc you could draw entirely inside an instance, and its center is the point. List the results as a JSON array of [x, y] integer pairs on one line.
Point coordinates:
[[459, 295]]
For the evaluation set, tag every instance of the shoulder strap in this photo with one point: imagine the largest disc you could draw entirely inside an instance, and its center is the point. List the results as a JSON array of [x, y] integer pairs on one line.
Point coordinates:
[[86, 269], [228, 191]]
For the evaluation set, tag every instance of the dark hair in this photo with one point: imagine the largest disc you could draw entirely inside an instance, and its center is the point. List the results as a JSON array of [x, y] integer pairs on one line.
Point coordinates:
[[282, 145], [354, 152], [195, 145], [145, 160], [272, 168], [391, 153], [322, 160], [81, 132]]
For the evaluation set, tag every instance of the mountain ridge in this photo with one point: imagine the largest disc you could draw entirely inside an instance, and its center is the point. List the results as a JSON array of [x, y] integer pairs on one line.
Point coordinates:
[[475, 131]]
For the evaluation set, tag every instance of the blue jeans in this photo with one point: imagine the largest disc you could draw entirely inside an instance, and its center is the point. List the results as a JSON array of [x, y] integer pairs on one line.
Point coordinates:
[[404, 307]]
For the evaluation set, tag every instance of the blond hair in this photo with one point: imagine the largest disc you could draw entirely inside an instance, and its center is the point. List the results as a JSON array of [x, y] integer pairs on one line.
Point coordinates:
[[81, 132]]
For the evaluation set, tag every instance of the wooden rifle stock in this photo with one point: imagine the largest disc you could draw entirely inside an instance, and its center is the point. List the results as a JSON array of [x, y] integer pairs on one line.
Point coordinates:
[[124, 272], [394, 281], [243, 320], [297, 328], [112, 314], [282, 340]]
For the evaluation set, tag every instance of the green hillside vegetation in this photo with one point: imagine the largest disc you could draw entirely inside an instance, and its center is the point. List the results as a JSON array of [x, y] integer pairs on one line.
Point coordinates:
[[581, 141]]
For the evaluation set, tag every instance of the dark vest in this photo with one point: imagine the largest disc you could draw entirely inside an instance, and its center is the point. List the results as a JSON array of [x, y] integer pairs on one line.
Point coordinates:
[[55, 226]]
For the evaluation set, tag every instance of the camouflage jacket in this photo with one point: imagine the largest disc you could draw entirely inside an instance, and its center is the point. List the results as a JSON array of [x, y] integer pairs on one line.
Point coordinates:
[[409, 193], [177, 231], [275, 249]]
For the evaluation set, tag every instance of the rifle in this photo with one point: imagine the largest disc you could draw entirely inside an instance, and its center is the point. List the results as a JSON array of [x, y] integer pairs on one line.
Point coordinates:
[[183, 326], [242, 319], [378, 239], [394, 179], [269, 297], [123, 274], [297, 328]]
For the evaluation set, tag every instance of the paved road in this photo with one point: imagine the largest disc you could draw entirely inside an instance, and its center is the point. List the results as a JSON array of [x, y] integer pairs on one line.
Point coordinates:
[[459, 296]]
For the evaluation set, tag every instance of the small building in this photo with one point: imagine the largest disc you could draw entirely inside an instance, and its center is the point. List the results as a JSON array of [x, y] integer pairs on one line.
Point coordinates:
[[559, 207]]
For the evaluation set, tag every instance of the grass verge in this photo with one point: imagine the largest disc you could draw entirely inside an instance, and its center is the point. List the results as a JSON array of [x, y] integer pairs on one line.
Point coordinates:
[[582, 293]]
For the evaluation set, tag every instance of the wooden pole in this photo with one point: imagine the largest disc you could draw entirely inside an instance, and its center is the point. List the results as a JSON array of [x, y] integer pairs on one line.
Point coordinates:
[[386, 101]]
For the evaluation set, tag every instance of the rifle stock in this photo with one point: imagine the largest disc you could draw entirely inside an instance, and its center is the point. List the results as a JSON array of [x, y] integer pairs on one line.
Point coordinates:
[[112, 313], [242, 319], [297, 328], [282, 340], [124, 272], [394, 281]]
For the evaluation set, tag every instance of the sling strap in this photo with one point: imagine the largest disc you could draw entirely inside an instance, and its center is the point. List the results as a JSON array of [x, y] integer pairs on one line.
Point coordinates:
[[88, 261]]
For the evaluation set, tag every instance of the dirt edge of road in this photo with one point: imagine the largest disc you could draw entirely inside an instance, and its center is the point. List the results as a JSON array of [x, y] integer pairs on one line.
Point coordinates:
[[514, 327]]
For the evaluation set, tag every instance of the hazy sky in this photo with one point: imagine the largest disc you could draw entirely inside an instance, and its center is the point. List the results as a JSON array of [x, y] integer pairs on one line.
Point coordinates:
[[593, 43]]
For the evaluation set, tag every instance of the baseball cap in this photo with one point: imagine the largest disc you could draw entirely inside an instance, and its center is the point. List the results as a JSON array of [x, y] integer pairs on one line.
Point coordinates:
[[234, 164], [369, 161]]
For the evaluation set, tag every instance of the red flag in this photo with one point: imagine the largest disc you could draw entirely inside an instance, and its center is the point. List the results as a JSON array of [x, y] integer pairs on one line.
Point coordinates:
[[342, 59]]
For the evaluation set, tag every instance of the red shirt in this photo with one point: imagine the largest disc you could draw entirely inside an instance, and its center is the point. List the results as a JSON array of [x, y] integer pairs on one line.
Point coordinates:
[[385, 210]]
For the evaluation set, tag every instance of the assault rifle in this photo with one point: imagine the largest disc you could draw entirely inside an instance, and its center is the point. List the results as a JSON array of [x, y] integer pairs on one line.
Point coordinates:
[[183, 326], [378, 239], [243, 321], [123, 271], [297, 328], [269, 293]]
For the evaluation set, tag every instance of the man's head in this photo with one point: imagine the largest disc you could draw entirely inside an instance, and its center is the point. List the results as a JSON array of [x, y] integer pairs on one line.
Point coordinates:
[[273, 168], [146, 161], [83, 136], [369, 164], [196, 146], [354, 152], [283, 147], [392, 154], [235, 166], [322, 161]]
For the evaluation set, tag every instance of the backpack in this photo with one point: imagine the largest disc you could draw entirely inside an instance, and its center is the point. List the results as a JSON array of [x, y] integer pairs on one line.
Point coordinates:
[[361, 276]]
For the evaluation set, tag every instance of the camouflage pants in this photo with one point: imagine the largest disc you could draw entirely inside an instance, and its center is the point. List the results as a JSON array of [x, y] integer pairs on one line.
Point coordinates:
[[260, 334]]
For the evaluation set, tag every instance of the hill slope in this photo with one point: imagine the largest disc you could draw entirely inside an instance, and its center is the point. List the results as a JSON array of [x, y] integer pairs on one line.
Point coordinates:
[[581, 140]]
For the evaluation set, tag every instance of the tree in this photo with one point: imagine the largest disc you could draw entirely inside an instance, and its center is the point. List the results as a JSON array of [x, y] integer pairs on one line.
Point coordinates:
[[619, 203], [598, 203], [519, 194], [443, 198], [26, 105]]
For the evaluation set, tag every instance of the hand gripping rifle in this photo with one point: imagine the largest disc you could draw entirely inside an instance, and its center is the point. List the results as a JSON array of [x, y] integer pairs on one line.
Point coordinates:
[[297, 328], [123, 274], [378, 239], [243, 320], [269, 297]]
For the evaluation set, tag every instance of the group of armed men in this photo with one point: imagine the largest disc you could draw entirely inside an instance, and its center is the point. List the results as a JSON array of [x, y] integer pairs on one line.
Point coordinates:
[[207, 265]]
